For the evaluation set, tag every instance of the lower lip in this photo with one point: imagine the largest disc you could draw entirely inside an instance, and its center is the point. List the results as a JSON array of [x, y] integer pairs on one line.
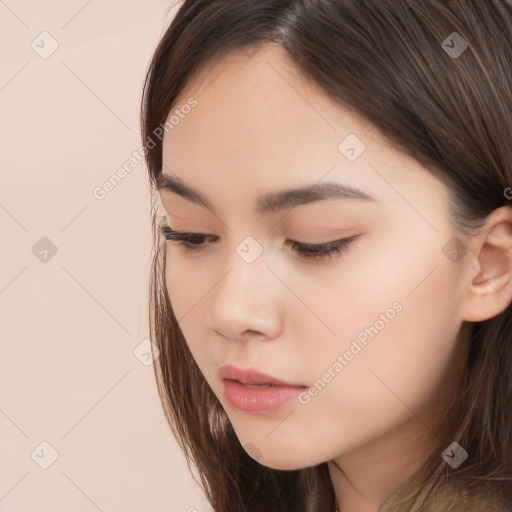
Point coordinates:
[[259, 400]]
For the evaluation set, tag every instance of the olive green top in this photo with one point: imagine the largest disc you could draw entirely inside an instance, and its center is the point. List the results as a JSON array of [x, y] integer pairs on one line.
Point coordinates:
[[453, 496]]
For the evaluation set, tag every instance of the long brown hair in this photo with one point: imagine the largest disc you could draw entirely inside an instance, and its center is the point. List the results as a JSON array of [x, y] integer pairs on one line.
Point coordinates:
[[386, 60]]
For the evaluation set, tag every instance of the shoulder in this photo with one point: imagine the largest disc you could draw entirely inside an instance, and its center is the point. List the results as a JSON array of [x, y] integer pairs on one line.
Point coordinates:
[[490, 495], [472, 496], [452, 495]]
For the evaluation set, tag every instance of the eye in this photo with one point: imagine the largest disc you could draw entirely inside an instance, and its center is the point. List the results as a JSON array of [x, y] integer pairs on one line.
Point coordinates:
[[322, 251], [191, 242]]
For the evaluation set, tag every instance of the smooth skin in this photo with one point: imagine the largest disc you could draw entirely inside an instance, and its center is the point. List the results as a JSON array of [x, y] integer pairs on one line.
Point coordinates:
[[260, 127]]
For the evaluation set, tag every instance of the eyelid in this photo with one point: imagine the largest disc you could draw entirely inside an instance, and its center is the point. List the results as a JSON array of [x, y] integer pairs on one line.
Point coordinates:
[[306, 251]]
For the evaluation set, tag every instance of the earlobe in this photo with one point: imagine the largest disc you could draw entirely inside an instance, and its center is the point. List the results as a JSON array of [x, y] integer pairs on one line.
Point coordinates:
[[490, 287]]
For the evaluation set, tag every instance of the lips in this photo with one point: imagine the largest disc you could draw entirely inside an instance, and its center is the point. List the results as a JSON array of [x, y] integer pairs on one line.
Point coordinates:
[[251, 377], [256, 392]]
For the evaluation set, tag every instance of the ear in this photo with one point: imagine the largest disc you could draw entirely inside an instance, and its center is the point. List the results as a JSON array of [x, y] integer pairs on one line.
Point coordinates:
[[490, 268]]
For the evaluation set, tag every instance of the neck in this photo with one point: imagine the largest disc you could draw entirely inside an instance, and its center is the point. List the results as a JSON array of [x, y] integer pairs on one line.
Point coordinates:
[[362, 482], [365, 477]]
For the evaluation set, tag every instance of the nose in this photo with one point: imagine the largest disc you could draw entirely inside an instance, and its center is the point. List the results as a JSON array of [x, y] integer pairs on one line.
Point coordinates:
[[246, 302]]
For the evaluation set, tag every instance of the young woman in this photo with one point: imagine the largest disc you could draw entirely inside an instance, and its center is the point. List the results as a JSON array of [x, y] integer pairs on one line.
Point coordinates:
[[332, 270]]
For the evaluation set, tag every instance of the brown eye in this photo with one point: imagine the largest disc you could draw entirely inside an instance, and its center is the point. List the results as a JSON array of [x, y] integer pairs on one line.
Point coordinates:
[[321, 251], [189, 241]]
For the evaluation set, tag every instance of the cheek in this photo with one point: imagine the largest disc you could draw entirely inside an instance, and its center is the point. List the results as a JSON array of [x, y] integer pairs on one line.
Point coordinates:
[[361, 290], [394, 360], [185, 288], [187, 282], [190, 286]]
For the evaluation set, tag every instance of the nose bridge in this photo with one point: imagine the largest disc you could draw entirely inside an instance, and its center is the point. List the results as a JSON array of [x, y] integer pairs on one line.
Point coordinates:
[[246, 271], [244, 298]]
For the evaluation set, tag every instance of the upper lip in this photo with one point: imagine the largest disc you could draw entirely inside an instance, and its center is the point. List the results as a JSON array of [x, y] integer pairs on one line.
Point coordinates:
[[250, 376]]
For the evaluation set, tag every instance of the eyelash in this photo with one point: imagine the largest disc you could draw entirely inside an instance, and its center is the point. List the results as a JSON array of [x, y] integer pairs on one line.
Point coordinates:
[[308, 251]]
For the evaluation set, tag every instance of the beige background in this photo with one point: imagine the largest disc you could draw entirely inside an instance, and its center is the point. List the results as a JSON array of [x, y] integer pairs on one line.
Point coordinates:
[[70, 321]]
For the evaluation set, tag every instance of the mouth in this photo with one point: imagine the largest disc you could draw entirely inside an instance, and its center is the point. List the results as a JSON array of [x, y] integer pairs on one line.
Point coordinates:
[[256, 386], [255, 392], [251, 377]]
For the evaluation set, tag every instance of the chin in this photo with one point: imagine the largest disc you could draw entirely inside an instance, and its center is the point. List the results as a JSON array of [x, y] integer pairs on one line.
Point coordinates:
[[281, 460]]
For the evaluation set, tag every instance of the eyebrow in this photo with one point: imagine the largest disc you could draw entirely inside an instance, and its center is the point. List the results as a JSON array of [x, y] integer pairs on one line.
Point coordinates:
[[273, 201]]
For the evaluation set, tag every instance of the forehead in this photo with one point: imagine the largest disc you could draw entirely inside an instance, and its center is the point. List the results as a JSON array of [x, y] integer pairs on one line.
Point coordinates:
[[259, 125], [263, 95], [255, 108]]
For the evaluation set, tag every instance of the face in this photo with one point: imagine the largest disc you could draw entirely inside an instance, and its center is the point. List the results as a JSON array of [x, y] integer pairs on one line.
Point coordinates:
[[366, 337]]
